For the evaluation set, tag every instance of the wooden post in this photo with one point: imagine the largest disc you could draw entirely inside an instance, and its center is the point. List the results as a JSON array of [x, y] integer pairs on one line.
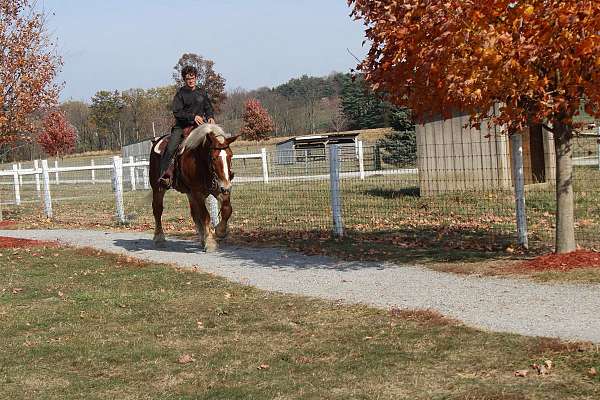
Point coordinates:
[[47, 196], [361, 160], [17, 184], [92, 164], [37, 177], [146, 177], [118, 183], [20, 176], [598, 141], [519, 183], [132, 173], [336, 198], [265, 165], [56, 173]]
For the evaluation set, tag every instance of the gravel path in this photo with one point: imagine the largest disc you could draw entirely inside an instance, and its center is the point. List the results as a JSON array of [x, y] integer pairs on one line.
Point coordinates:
[[569, 312]]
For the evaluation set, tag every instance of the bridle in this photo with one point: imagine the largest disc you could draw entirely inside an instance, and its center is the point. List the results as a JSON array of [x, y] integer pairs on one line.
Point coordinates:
[[214, 183]]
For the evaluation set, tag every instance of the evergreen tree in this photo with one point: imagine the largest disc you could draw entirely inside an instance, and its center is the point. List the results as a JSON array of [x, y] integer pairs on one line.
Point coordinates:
[[361, 106], [400, 145]]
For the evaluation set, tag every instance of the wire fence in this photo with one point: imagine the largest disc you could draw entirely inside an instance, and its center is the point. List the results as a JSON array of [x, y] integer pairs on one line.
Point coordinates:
[[380, 201]]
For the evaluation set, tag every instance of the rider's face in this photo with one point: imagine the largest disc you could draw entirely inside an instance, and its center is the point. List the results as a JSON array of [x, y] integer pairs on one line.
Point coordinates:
[[190, 80]]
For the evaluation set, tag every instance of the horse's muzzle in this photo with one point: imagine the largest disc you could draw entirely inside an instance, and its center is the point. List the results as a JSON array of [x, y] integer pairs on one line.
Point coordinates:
[[225, 191]]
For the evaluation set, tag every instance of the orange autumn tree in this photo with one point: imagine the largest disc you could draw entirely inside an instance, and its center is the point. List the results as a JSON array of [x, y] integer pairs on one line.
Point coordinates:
[[257, 123], [29, 66], [58, 136], [535, 59]]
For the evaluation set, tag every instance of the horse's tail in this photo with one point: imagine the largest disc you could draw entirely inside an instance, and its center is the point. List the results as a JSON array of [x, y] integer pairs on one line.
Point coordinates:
[[197, 137]]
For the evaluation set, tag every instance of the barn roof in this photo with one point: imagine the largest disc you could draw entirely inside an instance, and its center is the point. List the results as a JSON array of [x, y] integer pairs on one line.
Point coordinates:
[[319, 139]]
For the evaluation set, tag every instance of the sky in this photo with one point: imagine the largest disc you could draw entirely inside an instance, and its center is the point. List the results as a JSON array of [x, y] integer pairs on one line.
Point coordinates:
[[123, 44]]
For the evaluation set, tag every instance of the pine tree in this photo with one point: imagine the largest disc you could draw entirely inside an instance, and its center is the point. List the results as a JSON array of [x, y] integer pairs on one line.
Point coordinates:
[[400, 145]]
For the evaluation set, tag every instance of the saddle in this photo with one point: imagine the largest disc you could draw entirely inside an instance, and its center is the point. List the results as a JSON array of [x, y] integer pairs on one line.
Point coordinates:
[[160, 147]]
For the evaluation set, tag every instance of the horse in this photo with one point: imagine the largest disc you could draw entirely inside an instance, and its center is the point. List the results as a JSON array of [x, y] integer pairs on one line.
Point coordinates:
[[202, 168]]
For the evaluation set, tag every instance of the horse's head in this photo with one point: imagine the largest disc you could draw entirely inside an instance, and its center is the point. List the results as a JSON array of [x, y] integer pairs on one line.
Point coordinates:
[[220, 155]]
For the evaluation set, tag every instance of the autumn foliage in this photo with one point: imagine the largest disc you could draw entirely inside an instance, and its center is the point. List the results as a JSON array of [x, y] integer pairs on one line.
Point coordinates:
[[58, 137], [29, 66], [508, 62], [257, 123]]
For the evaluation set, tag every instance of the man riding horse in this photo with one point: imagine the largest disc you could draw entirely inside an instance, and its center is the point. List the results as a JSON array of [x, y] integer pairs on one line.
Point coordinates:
[[191, 108]]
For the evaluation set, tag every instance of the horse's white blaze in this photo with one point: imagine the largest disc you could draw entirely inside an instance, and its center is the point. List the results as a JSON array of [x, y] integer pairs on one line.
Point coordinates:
[[223, 155]]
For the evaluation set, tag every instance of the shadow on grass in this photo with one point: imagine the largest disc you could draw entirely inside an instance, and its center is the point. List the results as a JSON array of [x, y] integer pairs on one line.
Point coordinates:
[[393, 193], [410, 246]]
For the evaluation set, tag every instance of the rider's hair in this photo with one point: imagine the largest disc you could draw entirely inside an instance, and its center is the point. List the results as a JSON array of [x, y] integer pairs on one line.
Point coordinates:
[[189, 70]]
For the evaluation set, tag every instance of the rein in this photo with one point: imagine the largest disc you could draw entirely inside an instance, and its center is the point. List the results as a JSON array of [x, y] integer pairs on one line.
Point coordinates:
[[214, 184]]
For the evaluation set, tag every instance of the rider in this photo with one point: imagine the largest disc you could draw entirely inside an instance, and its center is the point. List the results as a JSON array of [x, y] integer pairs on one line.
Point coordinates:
[[191, 107]]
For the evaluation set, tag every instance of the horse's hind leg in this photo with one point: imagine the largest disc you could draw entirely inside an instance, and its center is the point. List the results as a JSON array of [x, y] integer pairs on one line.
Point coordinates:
[[157, 210], [196, 216]]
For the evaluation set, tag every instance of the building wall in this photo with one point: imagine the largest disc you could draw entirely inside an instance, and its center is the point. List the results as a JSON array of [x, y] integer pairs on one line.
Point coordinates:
[[452, 157]]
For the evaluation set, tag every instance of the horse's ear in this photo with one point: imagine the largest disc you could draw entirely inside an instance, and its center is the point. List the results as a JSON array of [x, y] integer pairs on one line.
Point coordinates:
[[232, 139]]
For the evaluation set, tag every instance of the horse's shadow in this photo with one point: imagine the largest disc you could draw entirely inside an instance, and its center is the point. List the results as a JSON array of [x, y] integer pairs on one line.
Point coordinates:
[[178, 246], [275, 258]]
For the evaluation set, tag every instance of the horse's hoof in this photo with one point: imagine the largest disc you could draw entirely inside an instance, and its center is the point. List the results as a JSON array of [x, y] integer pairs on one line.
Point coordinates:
[[221, 232], [159, 240], [210, 246]]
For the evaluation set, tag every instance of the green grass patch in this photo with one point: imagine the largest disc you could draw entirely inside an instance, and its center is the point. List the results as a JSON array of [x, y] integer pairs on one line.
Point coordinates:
[[79, 324]]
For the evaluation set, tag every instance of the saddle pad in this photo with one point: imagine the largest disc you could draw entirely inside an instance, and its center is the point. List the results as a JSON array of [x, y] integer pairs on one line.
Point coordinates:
[[161, 145]]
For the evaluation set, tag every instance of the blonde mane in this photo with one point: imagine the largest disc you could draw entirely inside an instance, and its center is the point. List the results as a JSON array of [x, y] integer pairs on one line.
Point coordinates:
[[198, 136]]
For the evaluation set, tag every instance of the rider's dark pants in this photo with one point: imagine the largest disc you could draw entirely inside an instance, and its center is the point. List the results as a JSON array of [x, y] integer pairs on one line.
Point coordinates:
[[174, 141]]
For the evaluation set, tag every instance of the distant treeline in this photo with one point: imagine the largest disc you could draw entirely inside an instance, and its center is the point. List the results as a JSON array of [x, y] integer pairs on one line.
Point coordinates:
[[300, 106]]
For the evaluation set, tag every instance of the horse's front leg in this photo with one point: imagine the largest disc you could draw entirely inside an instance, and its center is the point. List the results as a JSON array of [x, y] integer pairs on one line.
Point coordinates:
[[210, 244], [196, 217], [157, 210], [221, 228]]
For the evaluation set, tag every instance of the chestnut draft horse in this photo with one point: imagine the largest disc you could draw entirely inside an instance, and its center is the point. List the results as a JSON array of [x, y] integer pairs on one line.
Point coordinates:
[[202, 167]]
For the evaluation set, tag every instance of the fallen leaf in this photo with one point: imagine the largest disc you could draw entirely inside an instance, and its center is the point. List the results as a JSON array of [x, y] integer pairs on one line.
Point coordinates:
[[185, 359], [227, 295], [592, 372], [60, 294], [200, 324], [541, 369], [17, 290], [549, 364], [521, 373], [264, 366]]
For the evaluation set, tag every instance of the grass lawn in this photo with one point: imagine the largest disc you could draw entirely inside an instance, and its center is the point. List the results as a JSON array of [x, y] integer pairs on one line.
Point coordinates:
[[82, 324]]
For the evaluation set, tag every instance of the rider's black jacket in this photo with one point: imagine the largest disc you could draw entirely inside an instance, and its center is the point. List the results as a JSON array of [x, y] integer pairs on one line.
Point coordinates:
[[188, 103]]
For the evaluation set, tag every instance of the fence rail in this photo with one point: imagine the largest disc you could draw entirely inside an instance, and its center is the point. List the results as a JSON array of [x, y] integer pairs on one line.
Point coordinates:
[[354, 193]]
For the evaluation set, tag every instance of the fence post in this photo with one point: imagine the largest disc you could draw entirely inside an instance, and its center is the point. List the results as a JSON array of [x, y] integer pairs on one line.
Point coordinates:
[[361, 160], [265, 165], [47, 196], [118, 184], [37, 177], [92, 164], [598, 141], [56, 173], [213, 210], [146, 177], [132, 173], [17, 184], [519, 183], [20, 166], [336, 199]]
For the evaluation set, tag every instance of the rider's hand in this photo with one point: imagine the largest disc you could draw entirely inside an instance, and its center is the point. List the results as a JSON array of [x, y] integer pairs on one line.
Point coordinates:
[[211, 120], [199, 120]]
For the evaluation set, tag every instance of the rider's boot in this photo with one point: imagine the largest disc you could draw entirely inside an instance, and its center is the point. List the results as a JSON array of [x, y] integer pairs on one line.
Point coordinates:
[[166, 180]]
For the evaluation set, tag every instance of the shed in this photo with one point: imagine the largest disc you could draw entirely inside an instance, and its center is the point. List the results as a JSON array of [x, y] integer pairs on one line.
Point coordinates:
[[452, 157], [314, 147]]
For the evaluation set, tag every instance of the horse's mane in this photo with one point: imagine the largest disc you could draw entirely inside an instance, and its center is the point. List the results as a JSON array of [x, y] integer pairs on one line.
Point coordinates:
[[198, 136]]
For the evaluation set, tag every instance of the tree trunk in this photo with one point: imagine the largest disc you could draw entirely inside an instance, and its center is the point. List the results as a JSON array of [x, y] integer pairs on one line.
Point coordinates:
[[565, 215]]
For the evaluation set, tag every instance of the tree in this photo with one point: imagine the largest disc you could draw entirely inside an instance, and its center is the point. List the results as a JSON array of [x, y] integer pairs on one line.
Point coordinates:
[[78, 115], [257, 121], [58, 135], [362, 108], [105, 112], [209, 80], [400, 145], [29, 66], [511, 63]]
